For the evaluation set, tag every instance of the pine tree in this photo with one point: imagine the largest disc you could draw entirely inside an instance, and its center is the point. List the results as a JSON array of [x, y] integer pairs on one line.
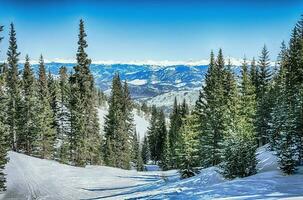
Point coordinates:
[[44, 144], [145, 150], [137, 153], [162, 144], [278, 116], [166, 156], [289, 106], [63, 117], [188, 148], [254, 74], [4, 136], [210, 109], [174, 130], [264, 103], [85, 136], [28, 110], [239, 144], [153, 134], [119, 126], [13, 84], [184, 110]]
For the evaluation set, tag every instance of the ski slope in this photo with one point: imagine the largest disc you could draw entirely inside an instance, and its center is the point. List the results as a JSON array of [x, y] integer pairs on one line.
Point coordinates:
[[33, 178]]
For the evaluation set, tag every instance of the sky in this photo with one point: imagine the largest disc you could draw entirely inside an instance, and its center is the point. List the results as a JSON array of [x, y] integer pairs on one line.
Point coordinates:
[[125, 30]]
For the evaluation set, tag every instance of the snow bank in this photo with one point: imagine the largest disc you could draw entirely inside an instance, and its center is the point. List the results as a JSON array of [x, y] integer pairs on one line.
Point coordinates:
[[267, 161], [33, 178]]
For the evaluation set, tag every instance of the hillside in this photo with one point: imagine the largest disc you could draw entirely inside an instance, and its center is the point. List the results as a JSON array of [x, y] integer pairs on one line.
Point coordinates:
[[33, 178]]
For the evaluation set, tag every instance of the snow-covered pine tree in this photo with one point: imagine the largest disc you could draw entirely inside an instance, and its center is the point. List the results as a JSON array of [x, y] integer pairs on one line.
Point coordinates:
[[29, 110], [13, 85], [4, 131], [44, 144], [188, 147], [63, 118], [264, 103], [145, 150], [289, 145]]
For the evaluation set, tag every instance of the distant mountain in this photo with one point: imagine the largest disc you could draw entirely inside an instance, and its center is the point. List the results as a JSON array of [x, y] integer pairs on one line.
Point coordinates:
[[154, 84], [145, 81]]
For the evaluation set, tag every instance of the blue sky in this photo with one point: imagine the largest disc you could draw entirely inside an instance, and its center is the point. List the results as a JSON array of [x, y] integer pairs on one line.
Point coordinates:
[[149, 30]]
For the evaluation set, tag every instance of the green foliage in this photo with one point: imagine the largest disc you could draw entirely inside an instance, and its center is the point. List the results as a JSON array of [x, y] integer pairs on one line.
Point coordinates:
[[188, 147], [29, 132], [145, 150], [210, 109], [4, 136], [44, 143], [264, 100], [85, 140], [119, 127], [13, 84]]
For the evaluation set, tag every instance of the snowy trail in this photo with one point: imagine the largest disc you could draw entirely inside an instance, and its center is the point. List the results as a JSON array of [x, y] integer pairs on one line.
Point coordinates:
[[32, 178]]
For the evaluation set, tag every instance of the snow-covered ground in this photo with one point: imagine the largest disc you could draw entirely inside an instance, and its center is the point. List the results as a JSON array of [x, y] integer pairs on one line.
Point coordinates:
[[167, 99], [33, 178]]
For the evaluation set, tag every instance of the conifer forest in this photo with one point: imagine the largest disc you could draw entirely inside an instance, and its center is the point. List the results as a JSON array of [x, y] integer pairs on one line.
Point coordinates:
[[88, 130]]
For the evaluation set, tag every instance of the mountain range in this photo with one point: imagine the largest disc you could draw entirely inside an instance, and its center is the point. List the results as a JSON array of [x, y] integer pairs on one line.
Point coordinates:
[[153, 84]]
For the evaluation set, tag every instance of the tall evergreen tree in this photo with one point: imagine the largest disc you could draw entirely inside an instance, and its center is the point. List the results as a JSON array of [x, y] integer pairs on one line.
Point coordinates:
[[162, 142], [85, 136], [145, 150], [264, 101], [174, 130], [153, 134], [29, 110], [4, 136], [254, 74], [118, 126], [188, 147], [13, 84], [239, 145], [44, 144], [210, 109]]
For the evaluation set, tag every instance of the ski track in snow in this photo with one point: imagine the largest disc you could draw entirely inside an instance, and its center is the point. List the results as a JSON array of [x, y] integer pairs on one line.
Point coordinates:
[[32, 178]]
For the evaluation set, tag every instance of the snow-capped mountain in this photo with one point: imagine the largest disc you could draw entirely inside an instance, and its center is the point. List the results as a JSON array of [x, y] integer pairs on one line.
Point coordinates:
[[146, 81]]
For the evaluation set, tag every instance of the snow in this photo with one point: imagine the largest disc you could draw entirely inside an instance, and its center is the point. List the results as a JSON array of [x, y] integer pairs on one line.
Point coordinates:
[[33, 178], [167, 99], [138, 82]]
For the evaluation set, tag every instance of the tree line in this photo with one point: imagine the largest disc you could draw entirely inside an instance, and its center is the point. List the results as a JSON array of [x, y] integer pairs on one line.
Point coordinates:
[[56, 117], [235, 114]]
